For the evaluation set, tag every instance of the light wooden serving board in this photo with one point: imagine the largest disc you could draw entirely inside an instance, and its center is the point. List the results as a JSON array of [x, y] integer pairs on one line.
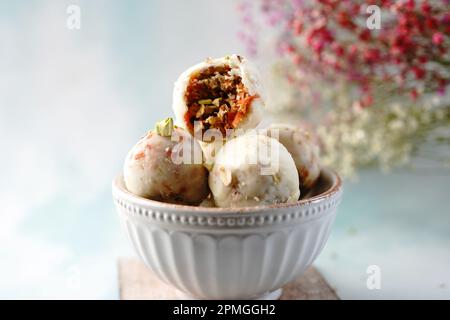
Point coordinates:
[[136, 282]]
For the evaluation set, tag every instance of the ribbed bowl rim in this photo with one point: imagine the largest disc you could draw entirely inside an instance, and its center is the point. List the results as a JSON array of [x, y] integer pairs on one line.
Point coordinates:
[[122, 195]]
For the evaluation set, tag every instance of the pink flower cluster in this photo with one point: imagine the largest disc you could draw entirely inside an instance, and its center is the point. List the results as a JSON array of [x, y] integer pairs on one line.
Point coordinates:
[[330, 37]]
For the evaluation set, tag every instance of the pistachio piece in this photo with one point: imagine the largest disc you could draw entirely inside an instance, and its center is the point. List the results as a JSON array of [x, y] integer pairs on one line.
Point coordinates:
[[200, 111], [164, 128], [205, 101], [211, 120], [216, 102], [276, 178]]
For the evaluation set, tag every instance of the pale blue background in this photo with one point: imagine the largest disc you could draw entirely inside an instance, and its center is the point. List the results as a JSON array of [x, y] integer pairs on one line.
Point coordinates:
[[73, 102]]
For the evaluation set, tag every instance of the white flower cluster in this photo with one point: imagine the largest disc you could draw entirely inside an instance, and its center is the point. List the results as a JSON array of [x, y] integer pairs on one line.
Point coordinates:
[[388, 133]]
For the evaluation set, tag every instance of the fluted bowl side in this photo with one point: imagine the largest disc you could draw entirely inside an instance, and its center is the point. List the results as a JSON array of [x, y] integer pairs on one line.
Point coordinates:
[[224, 253]]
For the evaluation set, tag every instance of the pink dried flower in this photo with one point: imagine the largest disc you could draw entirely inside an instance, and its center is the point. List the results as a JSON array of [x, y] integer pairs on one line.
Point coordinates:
[[438, 38], [319, 34]]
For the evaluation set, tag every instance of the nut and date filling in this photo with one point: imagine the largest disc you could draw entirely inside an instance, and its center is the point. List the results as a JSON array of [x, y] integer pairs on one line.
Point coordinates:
[[216, 99]]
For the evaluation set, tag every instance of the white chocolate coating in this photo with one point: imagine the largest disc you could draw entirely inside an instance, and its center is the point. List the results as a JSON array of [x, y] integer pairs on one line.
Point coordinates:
[[240, 67], [240, 179], [151, 172], [303, 150]]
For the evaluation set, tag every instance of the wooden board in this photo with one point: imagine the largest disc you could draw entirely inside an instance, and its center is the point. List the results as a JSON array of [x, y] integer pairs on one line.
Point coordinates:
[[136, 282]]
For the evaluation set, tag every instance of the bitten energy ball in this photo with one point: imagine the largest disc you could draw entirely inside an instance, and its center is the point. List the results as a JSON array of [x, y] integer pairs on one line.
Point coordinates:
[[218, 94], [166, 165], [303, 150], [253, 170]]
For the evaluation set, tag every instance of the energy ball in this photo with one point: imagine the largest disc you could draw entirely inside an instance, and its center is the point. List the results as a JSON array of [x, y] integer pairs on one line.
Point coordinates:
[[302, 149], [220, 94], [166, 165], [252, 170]]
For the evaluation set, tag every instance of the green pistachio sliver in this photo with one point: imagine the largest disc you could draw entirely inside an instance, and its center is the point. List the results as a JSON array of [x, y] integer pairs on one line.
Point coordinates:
[[216, 102], [200, 111], [205, 101], [276, 178], [211, 120], [165, 127]]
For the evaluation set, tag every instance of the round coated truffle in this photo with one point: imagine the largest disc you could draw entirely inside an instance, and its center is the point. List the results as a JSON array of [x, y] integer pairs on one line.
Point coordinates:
[[166, 165], [302, 149], [252, 170]]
